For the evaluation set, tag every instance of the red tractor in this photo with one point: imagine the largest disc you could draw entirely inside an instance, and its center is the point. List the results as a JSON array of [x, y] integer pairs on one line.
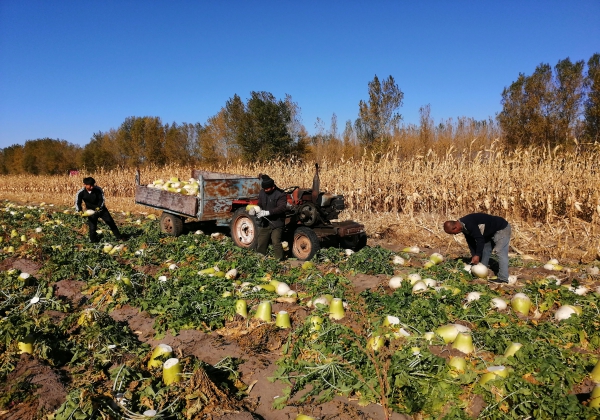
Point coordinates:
[[310, 221]]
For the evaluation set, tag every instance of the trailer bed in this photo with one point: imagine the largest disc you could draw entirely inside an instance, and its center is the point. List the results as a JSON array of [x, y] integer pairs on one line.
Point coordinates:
[[217, 193]]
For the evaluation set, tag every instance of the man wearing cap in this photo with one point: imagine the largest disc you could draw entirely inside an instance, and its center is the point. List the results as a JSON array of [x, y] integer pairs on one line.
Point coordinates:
[[271, 218], [484, 233], [93, 197]]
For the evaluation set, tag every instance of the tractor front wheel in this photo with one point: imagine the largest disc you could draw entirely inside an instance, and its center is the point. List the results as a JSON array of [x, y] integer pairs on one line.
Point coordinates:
[[306, 243]]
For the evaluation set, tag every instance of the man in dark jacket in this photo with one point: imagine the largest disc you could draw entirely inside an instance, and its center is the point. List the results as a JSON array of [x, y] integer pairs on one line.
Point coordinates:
[[93, 197], [271, 217], [484, 233]]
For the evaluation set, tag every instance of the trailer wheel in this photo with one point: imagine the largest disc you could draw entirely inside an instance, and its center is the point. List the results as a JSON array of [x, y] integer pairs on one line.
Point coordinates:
[[306, 243], [354, 242], [171, 224], [243, 229]]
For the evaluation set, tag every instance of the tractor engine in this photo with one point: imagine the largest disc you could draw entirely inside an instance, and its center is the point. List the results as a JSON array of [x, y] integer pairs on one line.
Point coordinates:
[[312, 207], [330, 205], [323, 211]]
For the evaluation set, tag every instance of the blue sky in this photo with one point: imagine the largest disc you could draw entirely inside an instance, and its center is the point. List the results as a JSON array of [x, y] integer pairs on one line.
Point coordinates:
[[69, 68]]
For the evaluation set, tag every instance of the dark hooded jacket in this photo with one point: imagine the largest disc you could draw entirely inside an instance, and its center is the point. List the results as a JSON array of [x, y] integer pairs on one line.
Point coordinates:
[[276, 204]]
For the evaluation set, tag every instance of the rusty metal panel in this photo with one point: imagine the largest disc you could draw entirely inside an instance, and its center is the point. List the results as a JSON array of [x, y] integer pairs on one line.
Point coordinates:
[[218, 191], [197, 174], [222, 185], [165, 200], [216, 209], [230, 188], [349, 227]]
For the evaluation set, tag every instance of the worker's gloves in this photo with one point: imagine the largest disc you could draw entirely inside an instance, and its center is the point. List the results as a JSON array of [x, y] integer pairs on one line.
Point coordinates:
[[262, 213], [252, 211]]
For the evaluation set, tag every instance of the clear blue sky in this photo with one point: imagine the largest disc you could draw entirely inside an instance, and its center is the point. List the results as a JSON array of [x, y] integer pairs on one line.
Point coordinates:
[[70, 68]]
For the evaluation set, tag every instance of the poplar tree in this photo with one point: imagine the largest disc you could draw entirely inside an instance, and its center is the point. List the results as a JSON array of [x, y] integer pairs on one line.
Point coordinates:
[[378, 117]]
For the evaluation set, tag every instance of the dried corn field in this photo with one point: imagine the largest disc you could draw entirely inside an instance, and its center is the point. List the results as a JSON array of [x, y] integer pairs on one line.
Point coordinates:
[[555, 194]]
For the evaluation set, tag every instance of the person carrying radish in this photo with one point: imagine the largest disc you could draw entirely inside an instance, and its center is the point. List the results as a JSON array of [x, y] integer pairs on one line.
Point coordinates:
[[484, 233], [93, 197], [273, 203]]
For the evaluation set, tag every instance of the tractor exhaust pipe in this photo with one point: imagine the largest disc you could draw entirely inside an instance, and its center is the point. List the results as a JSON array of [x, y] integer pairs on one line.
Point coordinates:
[[316, 185]]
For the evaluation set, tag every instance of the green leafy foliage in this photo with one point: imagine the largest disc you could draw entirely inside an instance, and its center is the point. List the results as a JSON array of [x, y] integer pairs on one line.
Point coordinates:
[[369, 260]]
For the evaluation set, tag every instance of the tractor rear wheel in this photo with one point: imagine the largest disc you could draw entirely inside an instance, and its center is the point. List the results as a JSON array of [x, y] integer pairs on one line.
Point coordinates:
[[243, 227], [306, 243], [171, 224]]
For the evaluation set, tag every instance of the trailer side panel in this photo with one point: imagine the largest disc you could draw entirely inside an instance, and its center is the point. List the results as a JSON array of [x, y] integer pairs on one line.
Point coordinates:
[[218, 195], [160, 199]]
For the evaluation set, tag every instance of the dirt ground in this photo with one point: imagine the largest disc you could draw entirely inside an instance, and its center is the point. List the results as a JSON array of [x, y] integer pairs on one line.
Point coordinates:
[[43, 389]]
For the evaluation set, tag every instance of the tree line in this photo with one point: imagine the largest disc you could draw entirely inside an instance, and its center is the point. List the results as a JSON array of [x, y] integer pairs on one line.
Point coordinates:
[[551, 107]]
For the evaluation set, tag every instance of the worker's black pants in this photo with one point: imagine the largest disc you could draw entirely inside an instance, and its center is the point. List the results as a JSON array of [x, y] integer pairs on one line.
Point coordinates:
[[92, 222], [266, 234]]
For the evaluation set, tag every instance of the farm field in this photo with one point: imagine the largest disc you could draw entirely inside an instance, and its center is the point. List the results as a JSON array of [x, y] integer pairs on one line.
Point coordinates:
[[88, 316], [94, 312]]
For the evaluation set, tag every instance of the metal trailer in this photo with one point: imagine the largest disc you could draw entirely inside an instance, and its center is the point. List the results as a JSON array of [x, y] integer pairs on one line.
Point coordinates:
[[219, 194]]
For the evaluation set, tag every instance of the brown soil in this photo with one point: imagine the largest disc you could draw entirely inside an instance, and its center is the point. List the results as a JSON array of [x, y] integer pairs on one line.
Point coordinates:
[[42, 390], [26, 266], [70, 291]]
